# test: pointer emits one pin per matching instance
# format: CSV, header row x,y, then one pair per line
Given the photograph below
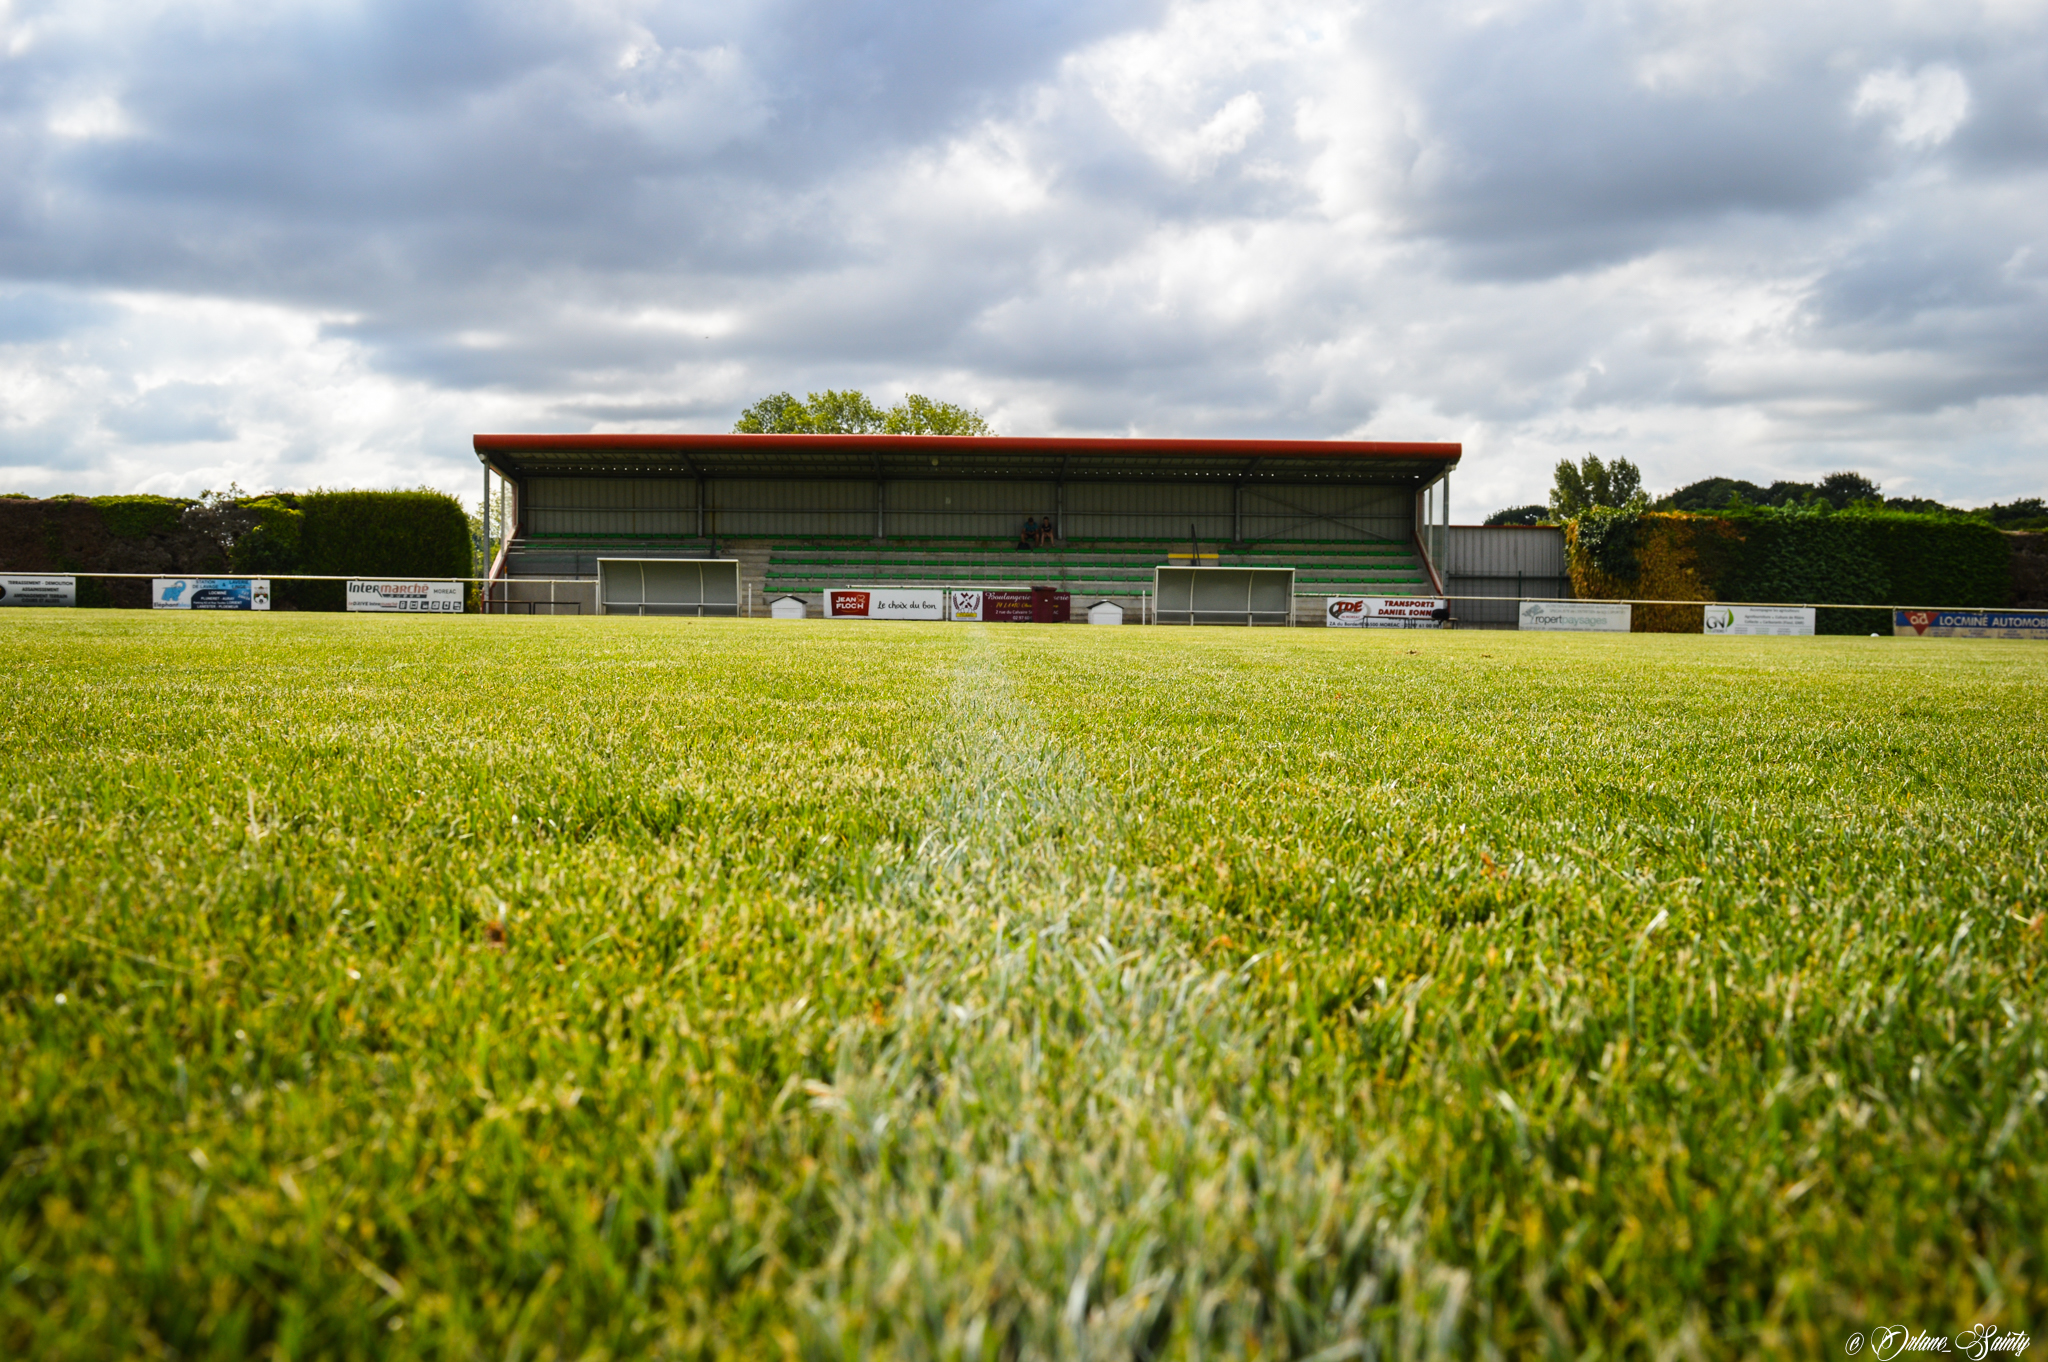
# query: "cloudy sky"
x,y
322,243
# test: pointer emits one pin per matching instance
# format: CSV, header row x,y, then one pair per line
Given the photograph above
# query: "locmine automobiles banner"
x,y
1970,624
210,593
885,603
433,598
38,591
1598,617
1373,612
1758,619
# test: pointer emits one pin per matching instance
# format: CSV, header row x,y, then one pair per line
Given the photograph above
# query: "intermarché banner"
x,y
432,598
2031,624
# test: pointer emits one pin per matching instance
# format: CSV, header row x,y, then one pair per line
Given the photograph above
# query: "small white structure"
x,y
787,608
1105,612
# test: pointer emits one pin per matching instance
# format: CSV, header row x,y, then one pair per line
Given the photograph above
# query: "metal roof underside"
x,y
902,457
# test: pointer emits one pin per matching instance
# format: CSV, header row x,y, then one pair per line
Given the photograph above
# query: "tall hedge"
x,y
134,534
1866,557
353,534
1790,555
347,534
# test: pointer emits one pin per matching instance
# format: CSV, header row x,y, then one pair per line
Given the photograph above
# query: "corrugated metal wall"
x,y
1503,560
650,506
1345,513
1138,510
791,508
963,509
966,510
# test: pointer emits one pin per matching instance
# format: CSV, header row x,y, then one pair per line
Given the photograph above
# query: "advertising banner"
x,y
38,591
431,598
1970,624
1373,612
1006,607
1032,605
1758,619
1597,617
885,603
210,593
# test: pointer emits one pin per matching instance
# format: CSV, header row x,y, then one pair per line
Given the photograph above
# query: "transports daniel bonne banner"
x,y
1375,612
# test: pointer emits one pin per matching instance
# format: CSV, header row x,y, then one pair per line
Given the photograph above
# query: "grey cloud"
x,y
175,413
522,207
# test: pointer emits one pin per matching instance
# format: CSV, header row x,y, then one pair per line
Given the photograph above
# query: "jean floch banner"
x,y
885,603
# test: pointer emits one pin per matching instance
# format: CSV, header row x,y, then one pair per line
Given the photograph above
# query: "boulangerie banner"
x,y
428,598
1006,607
1374,612
1758,619
2029,624
885,603
210,593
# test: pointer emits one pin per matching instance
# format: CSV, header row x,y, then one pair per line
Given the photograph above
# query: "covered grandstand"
x,y
807,514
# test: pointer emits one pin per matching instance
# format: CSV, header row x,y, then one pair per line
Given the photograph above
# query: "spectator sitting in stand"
x,y
1030,537
1045,532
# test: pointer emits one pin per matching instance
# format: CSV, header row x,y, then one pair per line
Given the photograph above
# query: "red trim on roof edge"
x,y
1233,449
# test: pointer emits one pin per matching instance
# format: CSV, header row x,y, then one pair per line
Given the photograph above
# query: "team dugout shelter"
x,y
775,523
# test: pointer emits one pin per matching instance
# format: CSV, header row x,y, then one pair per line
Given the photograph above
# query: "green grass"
x,y
950,991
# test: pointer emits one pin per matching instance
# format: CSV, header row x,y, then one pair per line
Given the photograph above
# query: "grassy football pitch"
x,y
378,987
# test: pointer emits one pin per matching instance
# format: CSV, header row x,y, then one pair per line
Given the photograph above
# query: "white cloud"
x,y
1676,230
95,119
1924,108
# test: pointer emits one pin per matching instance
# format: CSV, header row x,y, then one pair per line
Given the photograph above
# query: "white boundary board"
x,y
1223,595
1757,619
407,598
209,593
668,586
1594,617
38,591
1382,612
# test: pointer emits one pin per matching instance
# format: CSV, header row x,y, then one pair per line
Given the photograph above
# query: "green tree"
x,y
1582,486
775,414
850,412
843,413
917,414
1520,515
1843,490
